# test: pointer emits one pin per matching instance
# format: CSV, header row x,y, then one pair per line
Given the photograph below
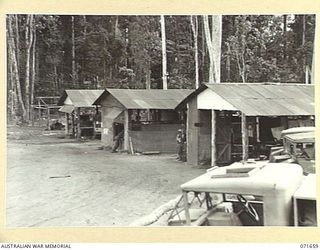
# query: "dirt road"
x,y
60,182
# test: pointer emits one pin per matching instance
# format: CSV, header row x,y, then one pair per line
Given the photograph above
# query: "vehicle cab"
x,y
251,194
298,147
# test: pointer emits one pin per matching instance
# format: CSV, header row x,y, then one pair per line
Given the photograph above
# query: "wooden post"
x,y
186,208
72,124
187,132
126,130
48,118
32,114
258,129
213,138
94,128
244,137
67,123
39,118
78,123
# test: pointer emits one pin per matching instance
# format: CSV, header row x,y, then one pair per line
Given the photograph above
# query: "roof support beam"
x,y
67,123
187,130
258,128
126,130
78,124
245,143
48,119
213,138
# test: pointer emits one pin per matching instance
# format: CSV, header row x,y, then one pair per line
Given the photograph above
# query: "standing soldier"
x,y
117,141
181,139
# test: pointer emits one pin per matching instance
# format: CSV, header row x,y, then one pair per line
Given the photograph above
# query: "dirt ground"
x,y
54,181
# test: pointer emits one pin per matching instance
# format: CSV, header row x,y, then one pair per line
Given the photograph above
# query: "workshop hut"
x,y
228,122
146,117
83,119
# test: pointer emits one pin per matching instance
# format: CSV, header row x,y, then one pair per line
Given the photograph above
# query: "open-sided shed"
x,y
146,117
232,121
81,115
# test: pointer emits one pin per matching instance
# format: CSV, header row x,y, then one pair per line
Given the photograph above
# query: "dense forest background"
x,y
50,53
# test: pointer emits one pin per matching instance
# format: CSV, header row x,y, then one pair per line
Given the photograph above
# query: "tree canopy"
x,y
50,53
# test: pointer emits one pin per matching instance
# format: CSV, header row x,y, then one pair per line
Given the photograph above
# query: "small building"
x,y
82,117
146,117
228,122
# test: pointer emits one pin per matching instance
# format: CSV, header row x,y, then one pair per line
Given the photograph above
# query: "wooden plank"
x,y
151,152
47,97
225,147
213,138
244,137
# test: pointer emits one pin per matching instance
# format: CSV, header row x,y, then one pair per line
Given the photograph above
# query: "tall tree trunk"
x,y
74,73
194,26
216,44
55,79
212,76
214,50
241,65
148,76
84,27
28,39
203,50
303,30
11,90
17,36
116,27
13,61
313,63
305,68
239,49
228,63
164,54
14,100
104,60
33,67
285,17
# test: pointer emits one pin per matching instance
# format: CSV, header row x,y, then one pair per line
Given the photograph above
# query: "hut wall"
x,y
109,108
169,115
300,122
155,137
193,132
205,137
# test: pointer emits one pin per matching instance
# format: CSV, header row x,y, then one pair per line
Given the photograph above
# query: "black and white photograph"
x,y
160,120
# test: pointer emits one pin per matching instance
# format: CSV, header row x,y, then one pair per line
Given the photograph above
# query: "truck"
x,y
280,191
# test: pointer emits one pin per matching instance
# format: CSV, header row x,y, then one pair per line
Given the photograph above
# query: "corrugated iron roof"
x,y
149,98
67,109
81,97
268,99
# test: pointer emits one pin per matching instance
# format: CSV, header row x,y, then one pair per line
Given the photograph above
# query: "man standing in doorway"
x,y
181,139
117,141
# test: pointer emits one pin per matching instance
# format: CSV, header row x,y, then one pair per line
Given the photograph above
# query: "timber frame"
x,y
45,103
